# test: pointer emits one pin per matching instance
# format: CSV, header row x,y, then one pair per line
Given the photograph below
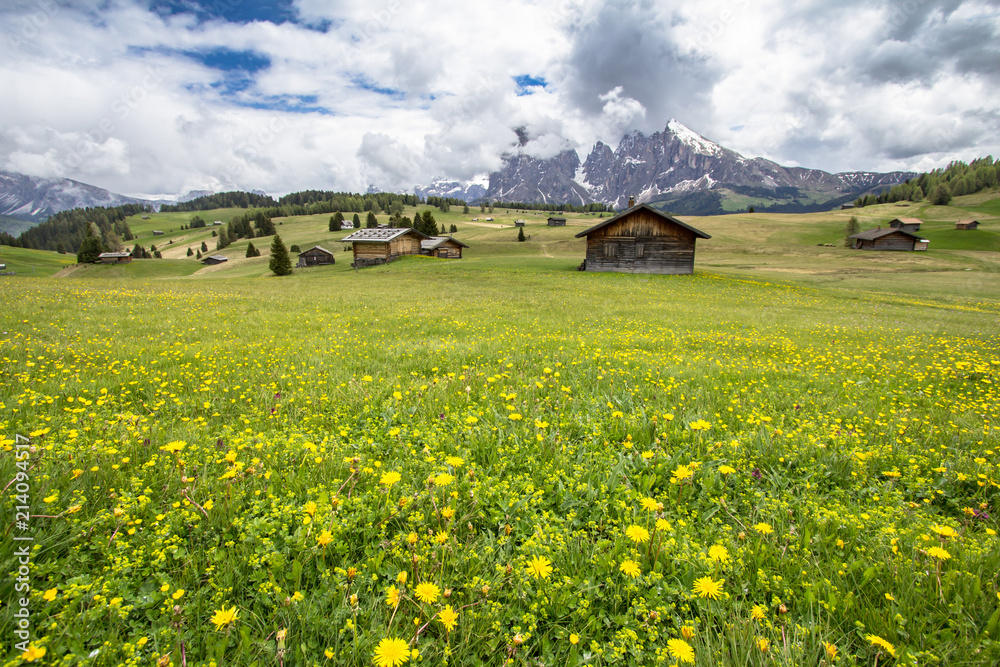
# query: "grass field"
x,y
789,458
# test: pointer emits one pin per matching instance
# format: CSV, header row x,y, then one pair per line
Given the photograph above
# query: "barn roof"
x,y
873,234
316,247
436,241
217,258
115,255
967,222
909,221
650,209
377,235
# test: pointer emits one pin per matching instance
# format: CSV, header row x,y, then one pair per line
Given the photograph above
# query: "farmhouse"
x,y
641,240
379,246
906,224
967,224
116,257
316,256
557,222
442,246
888,239
212,260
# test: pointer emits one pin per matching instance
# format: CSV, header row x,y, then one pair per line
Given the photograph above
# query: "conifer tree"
x,y
336,222
850,229
90,249
251,251
281,263
371,221
465,209
357,221
520,234
198,255
204,247
189,253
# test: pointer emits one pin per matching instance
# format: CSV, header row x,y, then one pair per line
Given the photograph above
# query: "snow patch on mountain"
x,y
694,141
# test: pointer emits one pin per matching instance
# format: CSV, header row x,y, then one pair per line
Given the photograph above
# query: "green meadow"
x,y
788,458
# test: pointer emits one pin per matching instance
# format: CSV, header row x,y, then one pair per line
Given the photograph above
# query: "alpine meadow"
x,y
786,458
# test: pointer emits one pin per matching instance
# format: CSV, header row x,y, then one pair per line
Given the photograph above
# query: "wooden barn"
x,y
316,256
212,260
967,224
906,224
157,232
888,239
115,257
378,246
442,246
557,222
641,240
519,223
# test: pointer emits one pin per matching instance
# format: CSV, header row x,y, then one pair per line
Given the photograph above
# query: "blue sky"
x,y
162,96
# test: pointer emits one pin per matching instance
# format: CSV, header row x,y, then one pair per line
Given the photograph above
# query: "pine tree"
x,y
482,208
223,239
850,229
520,234
357,221
940,195
371,221
454,228
281,263
189,253
204,247
336,222
465,209
198,256
251,251
90,249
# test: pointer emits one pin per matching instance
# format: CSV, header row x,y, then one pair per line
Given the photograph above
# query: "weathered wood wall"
x,y
641,243
371,250
405,245
891,242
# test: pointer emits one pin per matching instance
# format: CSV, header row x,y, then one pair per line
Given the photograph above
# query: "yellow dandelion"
x,y
223,617
718,553
763,528
444,479
390,478
763,644
649,504
324,538
448,618
680,650
882,644
637,534
540,567
427,592
630,567
706,587
939,553
682,473
945,531
391,652
392,596
727,470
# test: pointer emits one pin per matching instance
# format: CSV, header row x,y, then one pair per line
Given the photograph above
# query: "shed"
x,y
967,224
217,222
641,240
212,260
379,246
845,207
157,232
442,246
888,239
316,256
519,223
557,222
906,224
116,257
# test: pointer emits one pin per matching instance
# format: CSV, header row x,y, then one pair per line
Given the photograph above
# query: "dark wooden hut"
x,y
316,256
212,260
641,240
906,224
557,222
887,238
442,246
378,246
115,257
967,224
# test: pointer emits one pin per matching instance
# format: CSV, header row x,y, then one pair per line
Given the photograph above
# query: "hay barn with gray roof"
x,y
380,246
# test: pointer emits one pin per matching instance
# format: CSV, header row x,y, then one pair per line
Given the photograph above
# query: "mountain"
x,y
34,199
679,170
469,191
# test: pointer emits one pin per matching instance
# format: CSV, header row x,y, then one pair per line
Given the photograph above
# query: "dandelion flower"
x,y
540,567
448,618
763,644
882,644
718,553
706,587
945,531
680,650
391,652
427,592
763,528
663,524
939,553
700,425
223,617
649,504
683,473
324,538
455,461
444,479
630,567
392,596
390,478
637,534
727,470
758,613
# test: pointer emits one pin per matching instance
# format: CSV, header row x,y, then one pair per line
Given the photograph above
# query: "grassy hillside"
x,y
33,263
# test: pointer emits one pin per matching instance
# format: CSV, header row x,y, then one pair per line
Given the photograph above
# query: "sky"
x,y
160,97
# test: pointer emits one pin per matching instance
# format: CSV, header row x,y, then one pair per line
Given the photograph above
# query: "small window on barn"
x,y
639,250
610,250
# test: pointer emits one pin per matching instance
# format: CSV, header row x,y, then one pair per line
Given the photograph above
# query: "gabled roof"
x,y
376,235
218,258
909,221
316,247
116,255
873,234
649,209
556,217
436,241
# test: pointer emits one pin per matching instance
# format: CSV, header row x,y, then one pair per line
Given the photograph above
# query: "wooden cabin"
x,y
641,240
115,257
967,224
519,223
906,224
442,246
888,238
212,260
379,246
557,222
157,232
316,256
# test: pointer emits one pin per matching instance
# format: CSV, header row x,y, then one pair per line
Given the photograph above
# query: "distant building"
x,y
212,260
157,232
115,257
316,256
217,223
442,246
906,224
380,246
557,222
519,223
888,238
967,224
641,240
844,207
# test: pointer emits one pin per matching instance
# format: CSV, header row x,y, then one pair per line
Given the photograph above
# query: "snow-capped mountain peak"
x,y
693,140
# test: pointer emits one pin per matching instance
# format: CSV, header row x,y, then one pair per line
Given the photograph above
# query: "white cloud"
x,y
415,91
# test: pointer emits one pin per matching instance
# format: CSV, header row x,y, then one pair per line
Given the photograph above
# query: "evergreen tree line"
x,y
222,200
66,231
940,185
315,202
